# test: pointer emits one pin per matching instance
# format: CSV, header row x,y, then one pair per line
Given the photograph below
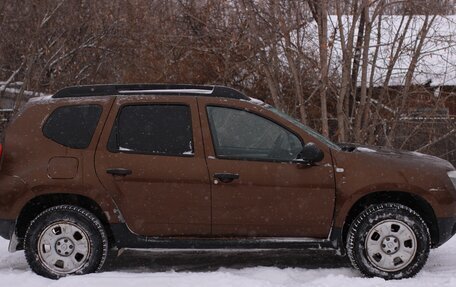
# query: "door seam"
x,y
205,160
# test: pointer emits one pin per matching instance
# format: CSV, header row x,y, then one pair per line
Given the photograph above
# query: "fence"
x,y
437,135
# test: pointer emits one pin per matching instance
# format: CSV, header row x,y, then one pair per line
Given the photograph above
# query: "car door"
x,y
257,190
151,159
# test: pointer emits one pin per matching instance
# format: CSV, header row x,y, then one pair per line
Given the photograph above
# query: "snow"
x,y
187,91
365,149
219,269
124,149
436,66
18,90
418,154
256,101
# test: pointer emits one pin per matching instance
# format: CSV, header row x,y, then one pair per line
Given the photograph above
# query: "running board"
x,y
124,238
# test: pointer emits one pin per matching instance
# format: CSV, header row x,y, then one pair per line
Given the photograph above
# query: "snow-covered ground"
x,y
167,269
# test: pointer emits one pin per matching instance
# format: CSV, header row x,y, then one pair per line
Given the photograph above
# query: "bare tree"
x,y
354,69
320,13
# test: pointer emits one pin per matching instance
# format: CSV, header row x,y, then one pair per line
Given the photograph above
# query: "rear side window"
x,y
73,126
153,129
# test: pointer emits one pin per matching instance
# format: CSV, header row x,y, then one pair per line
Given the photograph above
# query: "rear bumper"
x,y
6,228
447,228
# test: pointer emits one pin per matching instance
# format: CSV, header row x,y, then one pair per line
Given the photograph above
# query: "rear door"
x,y
256,188
151,158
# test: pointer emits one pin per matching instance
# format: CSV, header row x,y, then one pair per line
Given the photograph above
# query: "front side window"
x,y
153,129
244,135
304,127
73,126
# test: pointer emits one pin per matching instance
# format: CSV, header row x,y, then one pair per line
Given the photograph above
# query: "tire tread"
x,y
353,233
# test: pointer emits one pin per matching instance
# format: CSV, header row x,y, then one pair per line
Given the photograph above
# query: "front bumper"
x,y
6,228
447,228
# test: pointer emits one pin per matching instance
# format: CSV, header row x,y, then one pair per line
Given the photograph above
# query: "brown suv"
x,y
178,166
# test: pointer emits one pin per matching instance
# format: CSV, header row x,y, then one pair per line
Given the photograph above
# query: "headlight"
x,y
452,176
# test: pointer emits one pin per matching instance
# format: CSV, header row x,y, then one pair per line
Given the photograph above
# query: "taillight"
x,y
1,151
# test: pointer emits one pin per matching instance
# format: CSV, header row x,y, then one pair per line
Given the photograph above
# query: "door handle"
x,y
225,177
119,171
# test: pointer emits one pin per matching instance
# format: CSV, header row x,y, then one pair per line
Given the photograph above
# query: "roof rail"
x,y
149,89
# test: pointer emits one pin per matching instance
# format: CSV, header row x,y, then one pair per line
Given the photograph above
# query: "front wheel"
x,y
388,240
65,240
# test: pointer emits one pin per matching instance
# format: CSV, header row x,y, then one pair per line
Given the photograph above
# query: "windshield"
x,y
303,127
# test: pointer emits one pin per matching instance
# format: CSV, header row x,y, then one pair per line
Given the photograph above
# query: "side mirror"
x,y
310,153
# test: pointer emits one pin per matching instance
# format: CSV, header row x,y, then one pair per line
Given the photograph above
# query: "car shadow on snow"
x,y
152,261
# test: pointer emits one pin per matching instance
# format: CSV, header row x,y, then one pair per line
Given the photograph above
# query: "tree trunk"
x,y
319,11
409,76
394,56
363,93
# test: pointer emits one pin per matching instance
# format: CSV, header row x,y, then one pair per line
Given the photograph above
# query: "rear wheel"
x,y
65,240
388,240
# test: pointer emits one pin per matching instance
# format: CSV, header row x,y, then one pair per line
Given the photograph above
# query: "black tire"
x,y
87,232
369,222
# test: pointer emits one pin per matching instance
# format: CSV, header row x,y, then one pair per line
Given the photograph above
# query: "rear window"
x,y
73,126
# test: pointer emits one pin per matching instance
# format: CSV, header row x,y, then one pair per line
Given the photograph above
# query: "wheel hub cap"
x,y
391,245
63,247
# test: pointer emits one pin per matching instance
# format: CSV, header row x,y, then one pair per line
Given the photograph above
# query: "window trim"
x,y
115,125
247,158
67,106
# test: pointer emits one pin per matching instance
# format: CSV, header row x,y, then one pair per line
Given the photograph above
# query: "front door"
x,y
151,159
256,188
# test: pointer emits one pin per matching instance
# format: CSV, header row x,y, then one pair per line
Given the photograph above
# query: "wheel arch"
x,y
413,201
42,202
